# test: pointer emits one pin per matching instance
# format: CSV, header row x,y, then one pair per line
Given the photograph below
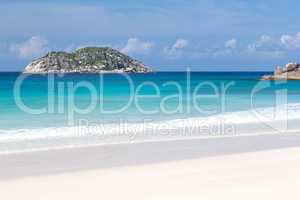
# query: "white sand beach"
x,y
197,169
149,100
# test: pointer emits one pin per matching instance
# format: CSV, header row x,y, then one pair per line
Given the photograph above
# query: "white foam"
x,y
165,130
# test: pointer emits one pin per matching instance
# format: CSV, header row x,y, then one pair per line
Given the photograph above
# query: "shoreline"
x,y
41,163
99,145
227,125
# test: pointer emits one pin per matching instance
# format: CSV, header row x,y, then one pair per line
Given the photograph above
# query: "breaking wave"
x,y
269,120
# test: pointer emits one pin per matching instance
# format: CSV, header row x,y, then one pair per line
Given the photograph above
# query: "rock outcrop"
x,y
291,71
87,60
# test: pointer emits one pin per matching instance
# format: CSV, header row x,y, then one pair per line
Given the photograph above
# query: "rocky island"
x,y
291,71
87,60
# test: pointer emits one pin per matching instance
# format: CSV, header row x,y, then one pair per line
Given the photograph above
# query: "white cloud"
x,y
265,46
177,49
34,47
264,41
136,46
290,42
180,44
231,44
229,48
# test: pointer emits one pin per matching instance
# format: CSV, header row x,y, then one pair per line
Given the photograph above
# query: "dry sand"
x,y
263,174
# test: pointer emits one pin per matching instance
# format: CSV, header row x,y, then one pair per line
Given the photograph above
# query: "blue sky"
x,y
166,34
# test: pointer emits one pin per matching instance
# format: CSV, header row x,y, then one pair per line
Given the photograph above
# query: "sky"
x,y
168,35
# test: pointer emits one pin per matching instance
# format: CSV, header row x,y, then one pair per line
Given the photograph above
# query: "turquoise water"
x,y
152,98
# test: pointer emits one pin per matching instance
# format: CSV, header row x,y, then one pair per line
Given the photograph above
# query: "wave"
x,y
256,121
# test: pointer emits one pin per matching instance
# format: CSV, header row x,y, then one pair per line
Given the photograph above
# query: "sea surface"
x,y
58,111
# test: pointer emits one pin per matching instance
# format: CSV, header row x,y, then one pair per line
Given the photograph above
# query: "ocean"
x,y
64,111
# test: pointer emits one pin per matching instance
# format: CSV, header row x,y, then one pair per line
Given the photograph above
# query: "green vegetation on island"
x,y
87,60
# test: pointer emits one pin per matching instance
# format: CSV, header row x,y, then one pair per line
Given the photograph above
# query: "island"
x,y
291,71
87,60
